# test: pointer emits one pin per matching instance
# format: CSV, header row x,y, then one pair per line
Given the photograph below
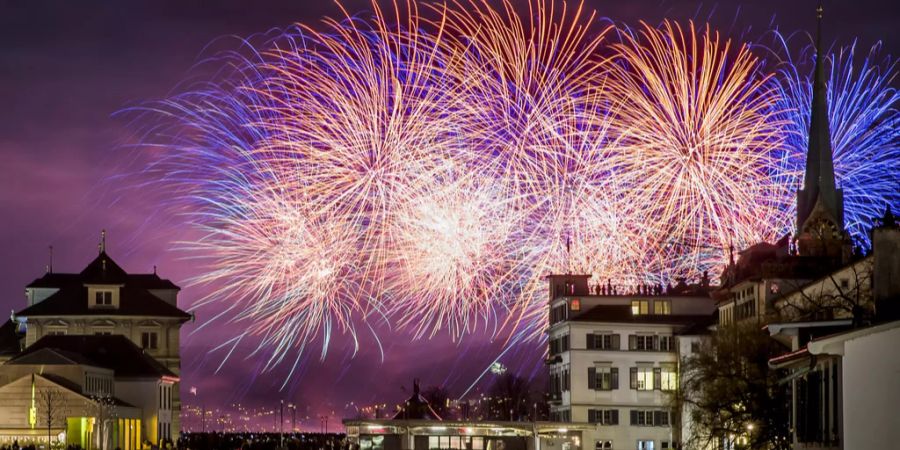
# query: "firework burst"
x,y
696,132
428,173
865,131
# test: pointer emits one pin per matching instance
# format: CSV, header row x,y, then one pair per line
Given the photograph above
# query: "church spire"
x,y
819,181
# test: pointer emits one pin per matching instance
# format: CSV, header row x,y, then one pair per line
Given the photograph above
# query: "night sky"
x,y
67,171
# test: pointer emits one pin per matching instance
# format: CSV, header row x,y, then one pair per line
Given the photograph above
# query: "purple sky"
x,y
65,69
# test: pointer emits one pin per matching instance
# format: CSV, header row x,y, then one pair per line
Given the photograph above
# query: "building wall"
x,y
871,391
580,398
850,284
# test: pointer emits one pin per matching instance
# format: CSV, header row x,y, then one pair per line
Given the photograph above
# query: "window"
x,y
575,305
603,445
668,378
659,418
603,341
845,283
642,378
645,445
603,378
641,342
603,416
695,347
639,307
667,343
149,340
103,298
662,307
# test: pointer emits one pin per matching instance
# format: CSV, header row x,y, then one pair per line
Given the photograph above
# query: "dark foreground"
x,y
262,441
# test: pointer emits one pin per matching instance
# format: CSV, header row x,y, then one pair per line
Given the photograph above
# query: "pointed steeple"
x,y
819,181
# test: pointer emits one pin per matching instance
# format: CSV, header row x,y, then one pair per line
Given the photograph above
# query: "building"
x,y
843,382
426,434
833,309
105,307
614,358
105,390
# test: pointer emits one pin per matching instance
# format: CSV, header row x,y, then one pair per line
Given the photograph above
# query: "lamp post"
x,y
293,409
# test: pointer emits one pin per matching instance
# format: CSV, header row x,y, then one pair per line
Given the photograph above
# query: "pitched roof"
x,y
622,314
102,270
113,352
135,298
133,301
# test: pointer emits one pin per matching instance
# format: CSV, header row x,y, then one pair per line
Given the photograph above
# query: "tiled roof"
x,y
113,352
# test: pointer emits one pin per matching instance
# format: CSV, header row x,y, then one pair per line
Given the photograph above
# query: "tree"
x,y
51,405
845,293
103,409
511,397
439,400
730,394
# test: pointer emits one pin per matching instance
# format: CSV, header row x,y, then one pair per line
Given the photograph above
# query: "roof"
x,y
94,273
417,407
622,314
114,352
135,298
133,301
820,345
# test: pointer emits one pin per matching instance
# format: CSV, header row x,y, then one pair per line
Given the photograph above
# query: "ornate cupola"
x,y
820,204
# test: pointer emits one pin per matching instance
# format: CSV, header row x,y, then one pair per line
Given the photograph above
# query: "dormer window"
x,y
103,298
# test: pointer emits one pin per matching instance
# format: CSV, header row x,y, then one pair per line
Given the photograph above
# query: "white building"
x,y
613,359
140,310
843,384
93,391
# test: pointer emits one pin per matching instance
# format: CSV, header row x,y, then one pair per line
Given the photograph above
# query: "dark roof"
x,y
94,273
622,314
135,298
416,407
113,352
133,301
700,328
10,339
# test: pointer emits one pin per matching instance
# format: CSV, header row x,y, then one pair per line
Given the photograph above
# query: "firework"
x,y
428,173
865,131
696,132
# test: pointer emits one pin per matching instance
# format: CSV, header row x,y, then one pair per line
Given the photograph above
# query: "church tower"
x,y
820,204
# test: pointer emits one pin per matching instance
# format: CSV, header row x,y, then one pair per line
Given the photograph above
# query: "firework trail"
x,y
865,130
425,171
697,128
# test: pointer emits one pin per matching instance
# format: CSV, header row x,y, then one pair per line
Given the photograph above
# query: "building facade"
x,y
128,312
614,359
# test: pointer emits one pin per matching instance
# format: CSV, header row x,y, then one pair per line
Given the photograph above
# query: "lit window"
x,y
662,307
669,381
645,445
645,378
640,307
575,305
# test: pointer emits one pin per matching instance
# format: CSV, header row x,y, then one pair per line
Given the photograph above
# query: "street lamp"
x,y
293,409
